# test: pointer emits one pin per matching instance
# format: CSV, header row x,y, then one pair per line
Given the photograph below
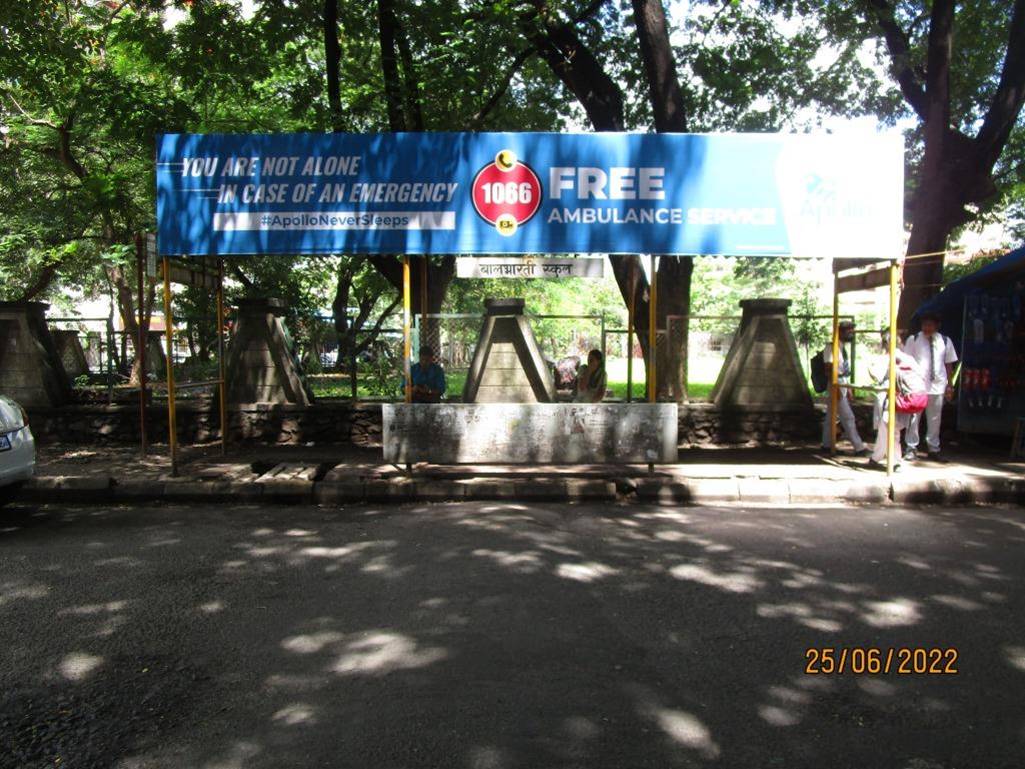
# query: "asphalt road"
x,y
505,636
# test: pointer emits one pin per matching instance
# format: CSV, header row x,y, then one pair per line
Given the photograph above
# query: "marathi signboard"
x,y
531,193
528,267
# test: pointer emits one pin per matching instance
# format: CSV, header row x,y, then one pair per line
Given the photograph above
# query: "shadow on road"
x,y
504,635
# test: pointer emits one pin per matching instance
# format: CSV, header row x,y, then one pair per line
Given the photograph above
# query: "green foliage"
x,y
980,39
86,86
79,107
956,270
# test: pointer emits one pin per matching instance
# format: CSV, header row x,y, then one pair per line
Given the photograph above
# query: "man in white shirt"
x,y
936,356
843,408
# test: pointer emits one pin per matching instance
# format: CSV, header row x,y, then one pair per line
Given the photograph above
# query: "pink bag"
x,y
911,395
911,403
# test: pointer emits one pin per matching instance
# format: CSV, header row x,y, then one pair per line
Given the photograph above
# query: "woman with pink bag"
x,y
911,399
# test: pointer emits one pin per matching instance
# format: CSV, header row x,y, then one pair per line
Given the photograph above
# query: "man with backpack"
x,y
936,356
821,371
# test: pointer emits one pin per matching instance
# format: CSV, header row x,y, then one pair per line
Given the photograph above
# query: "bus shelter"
x,y
523,194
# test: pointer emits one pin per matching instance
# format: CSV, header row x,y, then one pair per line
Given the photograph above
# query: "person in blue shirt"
x,y
428,378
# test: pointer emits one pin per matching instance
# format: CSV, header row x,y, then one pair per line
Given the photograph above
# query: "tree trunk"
x,y
41,283
674,273
664,90
956,170
332,56
348,329
124,297
190,338
674,276
387,26
344,333
440,273
113,359
580,71
923,276
576,66
937,210
414,108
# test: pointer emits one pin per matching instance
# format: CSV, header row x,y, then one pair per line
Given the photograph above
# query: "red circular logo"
x,y
506,192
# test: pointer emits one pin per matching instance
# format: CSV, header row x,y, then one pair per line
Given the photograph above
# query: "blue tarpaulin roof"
x,y
1004,273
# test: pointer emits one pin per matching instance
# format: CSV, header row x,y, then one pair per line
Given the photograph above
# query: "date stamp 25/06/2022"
x,y
867,660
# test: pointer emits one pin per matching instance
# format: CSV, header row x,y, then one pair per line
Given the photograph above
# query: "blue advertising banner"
x,y
530,193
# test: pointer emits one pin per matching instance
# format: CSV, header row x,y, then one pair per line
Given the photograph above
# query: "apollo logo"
x,y
506,193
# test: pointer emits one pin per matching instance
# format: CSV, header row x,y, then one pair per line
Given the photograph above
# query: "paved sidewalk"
x,y
346,474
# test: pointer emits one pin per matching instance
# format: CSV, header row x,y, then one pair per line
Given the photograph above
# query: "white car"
x,y
17,447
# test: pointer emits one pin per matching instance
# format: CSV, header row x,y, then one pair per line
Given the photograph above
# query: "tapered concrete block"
x,y
762,367
31,371
262,366
507,365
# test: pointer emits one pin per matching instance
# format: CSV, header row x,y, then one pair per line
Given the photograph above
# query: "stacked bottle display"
x,y
993,373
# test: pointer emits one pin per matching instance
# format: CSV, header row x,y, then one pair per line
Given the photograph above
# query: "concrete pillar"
x,y
31,371
72,354
507,365
762,368
156,355
262,367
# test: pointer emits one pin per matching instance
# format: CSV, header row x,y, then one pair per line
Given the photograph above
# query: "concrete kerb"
x,y
656,490
68,488
952,491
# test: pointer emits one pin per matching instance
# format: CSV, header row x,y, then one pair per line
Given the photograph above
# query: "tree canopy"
x,y
85,85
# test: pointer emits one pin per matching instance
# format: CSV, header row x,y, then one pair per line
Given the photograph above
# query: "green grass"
x,y
338,385
696,391
702,374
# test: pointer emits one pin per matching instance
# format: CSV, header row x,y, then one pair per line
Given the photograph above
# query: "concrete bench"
x,y
525,433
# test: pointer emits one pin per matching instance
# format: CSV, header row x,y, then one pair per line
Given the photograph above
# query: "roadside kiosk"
x,y
520,194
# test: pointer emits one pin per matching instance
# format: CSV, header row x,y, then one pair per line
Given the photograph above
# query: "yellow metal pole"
x,y
423,301
652,331
140,349
630,309
406,343
222,387
891,382
172,416
834,375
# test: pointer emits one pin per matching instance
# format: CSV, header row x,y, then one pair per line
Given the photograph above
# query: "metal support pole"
x,y
353,381
223,387
891,382
630,309
172,416
423,303
834,388
652,330
140,346
406,344
110,363
853,361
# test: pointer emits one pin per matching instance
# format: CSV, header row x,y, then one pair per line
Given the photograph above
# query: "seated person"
x,y
428,378
591,379
565,372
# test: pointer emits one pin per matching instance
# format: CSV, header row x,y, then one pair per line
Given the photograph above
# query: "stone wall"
x,y
198,422
700,424
704,424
